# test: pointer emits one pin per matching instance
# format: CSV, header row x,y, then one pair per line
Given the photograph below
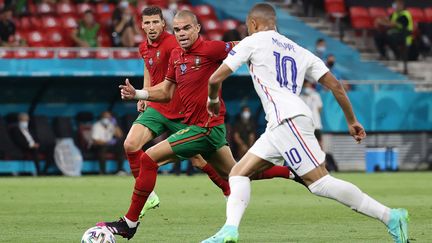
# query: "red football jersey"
x,y
191,70
156,56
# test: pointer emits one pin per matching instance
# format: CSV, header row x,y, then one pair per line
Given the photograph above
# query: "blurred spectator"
x,y
85,35
168,12
395,31
236,34
313,100
124,26
25,139
107,137
320,48
244,132
7,29
331,64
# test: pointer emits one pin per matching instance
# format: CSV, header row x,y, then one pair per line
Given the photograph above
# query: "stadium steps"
x,y
413,149
416,72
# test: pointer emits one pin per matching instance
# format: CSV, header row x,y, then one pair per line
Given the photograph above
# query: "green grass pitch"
x,y
59,209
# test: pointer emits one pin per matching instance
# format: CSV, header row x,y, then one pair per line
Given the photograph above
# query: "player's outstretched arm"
x,y
215,83
158,93
355,128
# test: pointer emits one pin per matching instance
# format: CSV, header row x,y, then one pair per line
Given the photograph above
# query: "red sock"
x,y
217,180
134,161
144,185
275,171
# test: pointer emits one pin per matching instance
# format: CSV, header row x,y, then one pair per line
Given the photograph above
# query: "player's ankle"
x,y
130,223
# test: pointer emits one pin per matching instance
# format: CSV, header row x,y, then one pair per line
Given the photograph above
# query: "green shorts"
x,y
158,123
194,140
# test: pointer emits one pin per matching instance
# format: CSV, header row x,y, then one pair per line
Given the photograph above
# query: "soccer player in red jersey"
x,y
157,118
189,68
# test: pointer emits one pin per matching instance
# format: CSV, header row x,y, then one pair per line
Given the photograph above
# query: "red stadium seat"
x,y
45,8
210,24
82,7
55,38
160,3
125,54
5,54
66,54
66,9
29,23
69,22
50,22
229,24
138,38
21,35
205,11
377,12
184,6
335,8
85,53
23,54
43,53
360,18
428,14
104,39
417,14
215,34
104,12
36,38
103,53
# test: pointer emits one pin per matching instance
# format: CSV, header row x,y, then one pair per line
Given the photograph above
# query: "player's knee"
x,y
131,146
198,162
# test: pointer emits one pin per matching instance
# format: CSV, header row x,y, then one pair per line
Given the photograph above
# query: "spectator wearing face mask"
x,y
244,132
331,64
25,139
107,137
320,48
124,26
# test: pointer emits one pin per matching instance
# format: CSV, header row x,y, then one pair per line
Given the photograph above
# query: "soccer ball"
x,y
98,234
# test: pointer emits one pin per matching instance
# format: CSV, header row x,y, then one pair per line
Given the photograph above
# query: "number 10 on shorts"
x,y
293,158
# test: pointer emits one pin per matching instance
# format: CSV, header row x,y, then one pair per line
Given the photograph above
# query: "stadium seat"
x,y
30,23
205,11
360,18
377,12
44,8
160,3
43,53
65,9
69,22
138,38
428,14
5,54
335,8
210,24
36,39
66,54
229,24
55,38
215,34
85,53
82,7
125,54
51,23
102,53
104,12
184,6
417,15
43,131
63,127
104,39
8,150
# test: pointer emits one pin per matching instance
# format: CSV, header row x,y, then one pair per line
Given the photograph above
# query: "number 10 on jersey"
x,y
281,71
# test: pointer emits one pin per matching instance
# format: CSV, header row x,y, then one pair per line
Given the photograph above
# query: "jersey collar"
x,y
159,40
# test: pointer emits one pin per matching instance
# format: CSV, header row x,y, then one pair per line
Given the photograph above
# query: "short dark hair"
x,y
152,10
320,40
88,11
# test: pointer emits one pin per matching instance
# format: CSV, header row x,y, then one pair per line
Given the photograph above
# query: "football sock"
x,y
130,223
351,196
134,159
275,171
238,200
217,180
144,185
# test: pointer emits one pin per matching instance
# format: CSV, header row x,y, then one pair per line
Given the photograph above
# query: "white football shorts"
x,y
293,142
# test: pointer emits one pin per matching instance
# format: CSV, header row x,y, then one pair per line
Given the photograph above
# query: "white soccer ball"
x,y
98,234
